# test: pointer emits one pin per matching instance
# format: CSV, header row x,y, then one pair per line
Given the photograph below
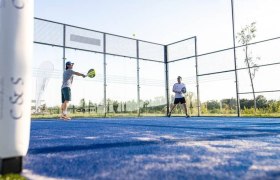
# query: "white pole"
x,y
16,44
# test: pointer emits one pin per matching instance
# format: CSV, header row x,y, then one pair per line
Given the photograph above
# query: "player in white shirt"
x,y
179,89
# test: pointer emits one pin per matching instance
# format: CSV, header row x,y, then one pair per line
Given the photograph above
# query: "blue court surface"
x,y
154,148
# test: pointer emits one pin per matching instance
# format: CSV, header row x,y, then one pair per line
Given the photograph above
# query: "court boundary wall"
x,y
162,57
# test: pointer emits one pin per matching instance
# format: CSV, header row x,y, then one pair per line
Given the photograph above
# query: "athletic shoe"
x,y
64,117
187,116
169,114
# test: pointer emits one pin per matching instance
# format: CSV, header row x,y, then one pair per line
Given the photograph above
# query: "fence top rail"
x,y
193,37
98,31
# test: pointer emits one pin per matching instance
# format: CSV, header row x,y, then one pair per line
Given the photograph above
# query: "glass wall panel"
x,y
87,93
261,53
185,69
121,75
151,51
46,78
181,50
120,46
152,88
266,79
218,94
48,32
216,62
84,39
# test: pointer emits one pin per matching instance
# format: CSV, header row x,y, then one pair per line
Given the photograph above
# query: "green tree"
x,y
245,36
82,102
115,106
274,106
90,103
145,105
246,104
124,107
213,104
231,103
190,97
261,102
43,107
108,105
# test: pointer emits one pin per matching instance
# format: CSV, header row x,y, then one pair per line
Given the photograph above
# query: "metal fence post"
x,y
166,78
64,47
197,79
235,63
138,78
104,66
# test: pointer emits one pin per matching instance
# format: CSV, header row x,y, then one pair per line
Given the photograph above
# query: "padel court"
x,y
154,148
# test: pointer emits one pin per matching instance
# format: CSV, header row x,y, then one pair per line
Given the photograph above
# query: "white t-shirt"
x,y
67,78
177,88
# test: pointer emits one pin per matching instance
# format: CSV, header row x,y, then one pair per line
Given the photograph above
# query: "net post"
x,y
11,165
16,28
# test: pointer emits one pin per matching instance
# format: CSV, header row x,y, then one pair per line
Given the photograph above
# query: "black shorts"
x,y
180,100
65,94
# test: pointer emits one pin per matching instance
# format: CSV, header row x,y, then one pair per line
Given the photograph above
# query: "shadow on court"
x,y
155,148
58,149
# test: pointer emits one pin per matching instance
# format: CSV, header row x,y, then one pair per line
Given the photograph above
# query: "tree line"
x,y
247,106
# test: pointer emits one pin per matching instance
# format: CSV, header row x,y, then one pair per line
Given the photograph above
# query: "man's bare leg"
x,y
64,108
173,106
185,109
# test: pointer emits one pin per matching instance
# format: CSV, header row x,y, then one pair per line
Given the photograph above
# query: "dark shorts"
x,y
180,100
65,94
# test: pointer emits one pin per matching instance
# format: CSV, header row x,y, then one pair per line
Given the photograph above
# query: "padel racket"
x,y
91,73
184,90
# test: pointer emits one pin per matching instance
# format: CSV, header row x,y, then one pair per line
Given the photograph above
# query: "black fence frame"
x,y
165,60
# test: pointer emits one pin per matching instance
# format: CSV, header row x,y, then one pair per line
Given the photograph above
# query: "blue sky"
x,y
166,21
